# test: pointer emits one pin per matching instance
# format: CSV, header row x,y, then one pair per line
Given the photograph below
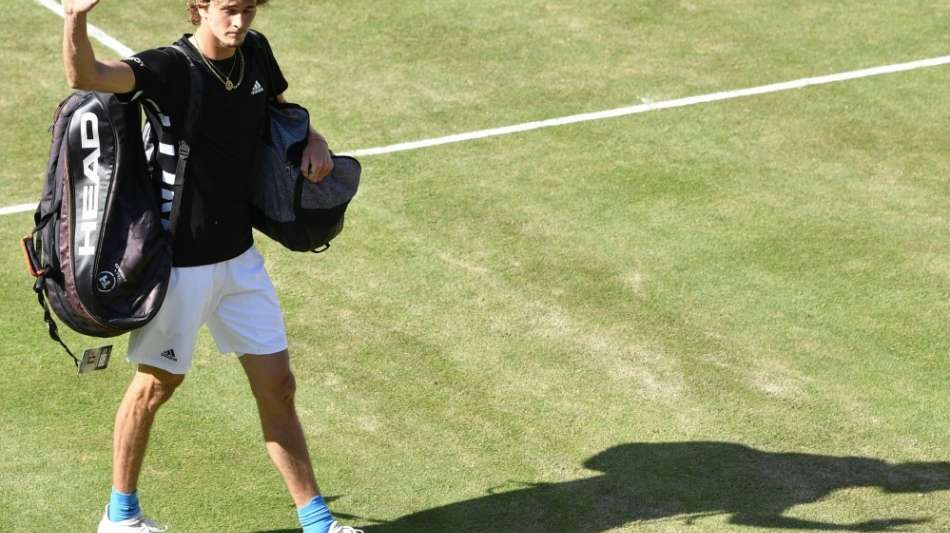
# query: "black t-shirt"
x,y
213,223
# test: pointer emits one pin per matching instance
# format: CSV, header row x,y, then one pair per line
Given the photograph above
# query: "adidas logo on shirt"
x,y
257,88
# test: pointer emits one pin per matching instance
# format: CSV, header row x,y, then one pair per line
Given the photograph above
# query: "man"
x,y
218,276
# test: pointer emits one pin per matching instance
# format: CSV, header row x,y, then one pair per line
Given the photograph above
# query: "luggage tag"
x,y
95,359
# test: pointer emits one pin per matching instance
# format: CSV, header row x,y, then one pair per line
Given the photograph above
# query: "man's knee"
x,y
277,392
271,379
152,386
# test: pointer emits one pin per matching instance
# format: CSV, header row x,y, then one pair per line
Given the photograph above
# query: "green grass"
x,y
728,317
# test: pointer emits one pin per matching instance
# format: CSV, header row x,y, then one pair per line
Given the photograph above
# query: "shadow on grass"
x,y
681,481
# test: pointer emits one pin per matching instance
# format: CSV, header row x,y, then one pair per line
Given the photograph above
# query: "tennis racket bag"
x,y
98,251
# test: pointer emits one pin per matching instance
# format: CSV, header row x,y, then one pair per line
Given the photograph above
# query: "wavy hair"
x,y
193,6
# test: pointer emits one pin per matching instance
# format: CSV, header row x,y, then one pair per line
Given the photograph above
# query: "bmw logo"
x,y
105,281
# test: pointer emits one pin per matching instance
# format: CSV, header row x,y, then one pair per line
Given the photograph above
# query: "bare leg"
x,y
150,388
273,386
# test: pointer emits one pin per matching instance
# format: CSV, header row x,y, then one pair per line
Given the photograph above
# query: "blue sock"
x,y
123,506
315,517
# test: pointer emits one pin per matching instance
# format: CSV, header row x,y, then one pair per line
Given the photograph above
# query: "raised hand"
x,y
76,7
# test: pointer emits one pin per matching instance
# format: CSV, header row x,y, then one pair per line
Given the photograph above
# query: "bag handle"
x,y
29,253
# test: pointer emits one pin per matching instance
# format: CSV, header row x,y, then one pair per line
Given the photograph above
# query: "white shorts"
x,y
235,298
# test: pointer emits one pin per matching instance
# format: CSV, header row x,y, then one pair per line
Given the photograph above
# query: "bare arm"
x,y
83,71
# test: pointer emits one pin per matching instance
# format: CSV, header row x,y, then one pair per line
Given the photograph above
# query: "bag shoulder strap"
x,y
188,132
48,318
195,91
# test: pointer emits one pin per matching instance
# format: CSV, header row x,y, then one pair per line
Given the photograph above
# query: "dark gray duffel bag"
x,y
299,214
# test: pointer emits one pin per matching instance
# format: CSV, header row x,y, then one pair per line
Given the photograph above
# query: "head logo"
x,y
89,210
105,281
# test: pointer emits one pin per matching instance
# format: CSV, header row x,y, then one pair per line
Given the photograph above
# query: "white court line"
x,y
22,208
94,32
654,106
584,117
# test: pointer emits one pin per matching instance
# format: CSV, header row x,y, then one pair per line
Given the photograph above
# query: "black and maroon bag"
x,y
98,249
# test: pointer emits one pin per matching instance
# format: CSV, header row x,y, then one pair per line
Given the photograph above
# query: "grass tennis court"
x,y
726,317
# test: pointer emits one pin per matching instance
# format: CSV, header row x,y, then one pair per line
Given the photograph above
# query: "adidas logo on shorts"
x,y
169,354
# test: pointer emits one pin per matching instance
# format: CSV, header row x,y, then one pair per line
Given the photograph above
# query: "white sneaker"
x,y
132,525
337,528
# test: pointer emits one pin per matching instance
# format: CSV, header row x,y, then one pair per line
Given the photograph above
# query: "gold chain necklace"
x,y
224,79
